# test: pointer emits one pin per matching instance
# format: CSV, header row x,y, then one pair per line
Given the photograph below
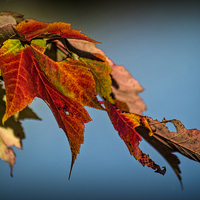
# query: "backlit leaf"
x,y
64,67
25,80
71,77
96,63
70,115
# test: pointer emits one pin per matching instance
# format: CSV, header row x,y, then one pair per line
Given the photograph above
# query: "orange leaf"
x,y
71,77
33,28
24,80
125,124
70,115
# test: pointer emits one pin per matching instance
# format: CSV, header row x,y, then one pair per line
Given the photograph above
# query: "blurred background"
x,y
159,43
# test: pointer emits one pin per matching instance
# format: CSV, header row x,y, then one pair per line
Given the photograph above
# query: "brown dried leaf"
x,y
184,141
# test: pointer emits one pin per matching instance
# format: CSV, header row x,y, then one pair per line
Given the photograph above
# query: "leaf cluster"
x,y
67,71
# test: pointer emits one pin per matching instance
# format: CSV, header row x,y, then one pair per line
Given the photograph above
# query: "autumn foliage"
x,y
67,71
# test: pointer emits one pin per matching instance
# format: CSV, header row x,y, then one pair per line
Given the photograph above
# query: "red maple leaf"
x,y
25,80
125,124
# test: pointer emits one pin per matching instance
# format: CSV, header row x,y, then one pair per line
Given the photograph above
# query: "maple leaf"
x,y
71,77
99,68
125,124
97,64
24,80
70,114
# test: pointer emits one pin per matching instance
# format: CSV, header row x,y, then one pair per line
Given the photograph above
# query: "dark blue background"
x,y
159,43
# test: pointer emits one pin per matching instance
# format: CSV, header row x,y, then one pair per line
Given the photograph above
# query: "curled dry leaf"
x,y
184,141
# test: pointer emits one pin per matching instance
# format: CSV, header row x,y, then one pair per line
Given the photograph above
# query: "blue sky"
x,y
159,43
